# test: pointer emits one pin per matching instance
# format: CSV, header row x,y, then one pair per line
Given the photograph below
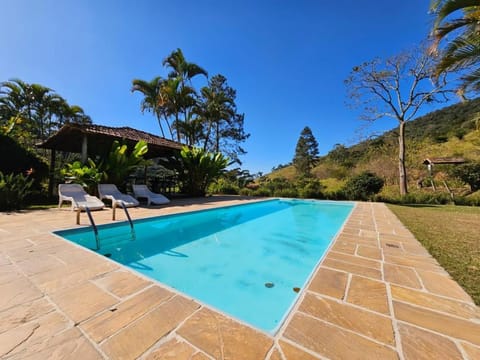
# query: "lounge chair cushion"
x,y
142,191
111,192
78,197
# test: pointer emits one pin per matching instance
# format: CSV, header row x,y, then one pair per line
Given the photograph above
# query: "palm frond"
x,y
444,8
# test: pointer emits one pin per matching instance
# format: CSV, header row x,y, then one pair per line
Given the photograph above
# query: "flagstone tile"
x,y
274,355
224,338
451,326
329,282
70,344
369,252
9,273
333,342
369,234
124,313
473,352
437,303
344,247
122,283
348,317
38,264
32,336
419,263
370,294
352,268
83,301
4,260
24,313
17,291
355,239
176,350
356,260
139,336
401,275
292,352
70,276
424,345
443,285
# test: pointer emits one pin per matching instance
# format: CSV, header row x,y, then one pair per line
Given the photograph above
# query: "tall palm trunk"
x,y
217,135
207,136
169,127
401,159
159,119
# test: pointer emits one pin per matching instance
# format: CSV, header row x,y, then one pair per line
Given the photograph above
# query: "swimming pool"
x,y
249,261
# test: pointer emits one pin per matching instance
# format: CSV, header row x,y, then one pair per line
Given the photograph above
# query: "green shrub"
x,y
288,193
468,173
363,186
88,175
196,169
460,133
223,186
245,192
121,162
262,192
335,195
469,200
16,159
310,189
435,198
13,190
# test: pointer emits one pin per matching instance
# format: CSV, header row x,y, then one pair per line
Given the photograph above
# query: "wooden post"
x,y
114,207
78,215
448,189
84,149
51,174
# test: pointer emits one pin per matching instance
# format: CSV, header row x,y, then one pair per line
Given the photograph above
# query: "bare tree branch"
x,y
397,87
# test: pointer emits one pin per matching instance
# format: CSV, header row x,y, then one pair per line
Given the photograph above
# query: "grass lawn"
x,y
452,235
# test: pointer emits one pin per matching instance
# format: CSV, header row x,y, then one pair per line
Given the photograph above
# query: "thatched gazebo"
x,y
90,140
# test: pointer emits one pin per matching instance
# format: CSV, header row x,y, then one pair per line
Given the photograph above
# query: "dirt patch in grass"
x,y
452,235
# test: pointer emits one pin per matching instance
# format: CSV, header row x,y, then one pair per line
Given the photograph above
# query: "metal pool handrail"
x,y
122,205
95,229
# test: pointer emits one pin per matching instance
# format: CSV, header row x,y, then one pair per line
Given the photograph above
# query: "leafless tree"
x,y
397,88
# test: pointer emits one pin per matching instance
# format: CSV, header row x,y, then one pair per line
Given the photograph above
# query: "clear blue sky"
x,y
286,59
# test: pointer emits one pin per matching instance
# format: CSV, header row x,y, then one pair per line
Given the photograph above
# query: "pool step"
x,y
116,240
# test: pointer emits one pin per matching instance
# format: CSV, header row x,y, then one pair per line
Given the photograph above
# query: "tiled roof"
x,y
130,134
444,160
70,138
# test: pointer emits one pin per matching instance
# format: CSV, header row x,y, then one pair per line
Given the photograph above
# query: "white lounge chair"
x,y
142,191
78,197
111,192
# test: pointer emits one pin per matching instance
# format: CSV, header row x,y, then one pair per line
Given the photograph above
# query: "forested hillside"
x,y
453,131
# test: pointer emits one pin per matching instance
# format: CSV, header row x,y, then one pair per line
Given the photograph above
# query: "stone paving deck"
x,y
377,294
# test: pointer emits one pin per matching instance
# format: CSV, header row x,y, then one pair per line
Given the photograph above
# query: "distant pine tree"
x,y
306,152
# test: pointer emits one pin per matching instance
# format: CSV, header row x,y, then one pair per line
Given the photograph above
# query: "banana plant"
x,y
88,175
120,162
197,168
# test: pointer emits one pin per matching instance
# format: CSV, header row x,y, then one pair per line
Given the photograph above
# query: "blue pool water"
x,y
244,260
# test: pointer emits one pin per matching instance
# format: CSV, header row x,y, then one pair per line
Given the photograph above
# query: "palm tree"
x,y
181,69
34,104
180,87
463,52
153,100
174,100
73,114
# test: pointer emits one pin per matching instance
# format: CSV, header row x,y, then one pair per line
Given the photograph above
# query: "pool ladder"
x,y
94,226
